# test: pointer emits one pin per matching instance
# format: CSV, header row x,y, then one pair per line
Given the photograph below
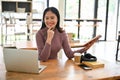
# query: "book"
x,y
96,64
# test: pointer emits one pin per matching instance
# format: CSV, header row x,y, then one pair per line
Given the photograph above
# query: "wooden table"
x,y
63,69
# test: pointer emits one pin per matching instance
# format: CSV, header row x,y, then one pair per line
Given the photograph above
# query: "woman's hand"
x,y
50,34
82,50
89,44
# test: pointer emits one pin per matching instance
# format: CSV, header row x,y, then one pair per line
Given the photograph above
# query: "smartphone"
x,y
85,67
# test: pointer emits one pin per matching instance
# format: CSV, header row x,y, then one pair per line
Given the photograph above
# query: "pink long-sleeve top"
x,y
59,41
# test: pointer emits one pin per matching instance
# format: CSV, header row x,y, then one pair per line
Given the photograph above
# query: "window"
x,y
87,12
38,8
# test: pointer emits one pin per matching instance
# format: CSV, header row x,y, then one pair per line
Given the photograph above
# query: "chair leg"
x,y
117,48
117,55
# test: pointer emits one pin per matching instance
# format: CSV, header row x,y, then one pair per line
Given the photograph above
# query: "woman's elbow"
x,y
44,59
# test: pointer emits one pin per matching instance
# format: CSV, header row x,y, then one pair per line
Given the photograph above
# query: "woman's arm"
x,y
89,44
66,47
44,48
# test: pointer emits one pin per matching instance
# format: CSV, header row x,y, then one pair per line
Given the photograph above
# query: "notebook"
x,y
95,64
21,60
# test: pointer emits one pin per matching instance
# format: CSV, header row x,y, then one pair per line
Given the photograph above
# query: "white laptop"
x,y
21,60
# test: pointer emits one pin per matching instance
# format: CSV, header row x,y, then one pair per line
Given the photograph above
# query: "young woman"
x,y
51,37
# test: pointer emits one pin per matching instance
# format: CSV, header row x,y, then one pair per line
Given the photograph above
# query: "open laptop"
x,y
21,60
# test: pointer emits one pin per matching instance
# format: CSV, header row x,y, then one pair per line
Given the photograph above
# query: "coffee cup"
x,y
77,58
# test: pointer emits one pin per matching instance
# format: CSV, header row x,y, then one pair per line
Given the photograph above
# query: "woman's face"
x,y
50,20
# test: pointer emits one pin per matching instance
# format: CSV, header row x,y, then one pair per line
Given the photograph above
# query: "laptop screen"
x,y
21,60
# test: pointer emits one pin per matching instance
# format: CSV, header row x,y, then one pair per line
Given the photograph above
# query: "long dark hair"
x,y
56,12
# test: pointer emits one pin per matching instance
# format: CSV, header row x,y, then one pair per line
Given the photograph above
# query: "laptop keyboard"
x,y
39,68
